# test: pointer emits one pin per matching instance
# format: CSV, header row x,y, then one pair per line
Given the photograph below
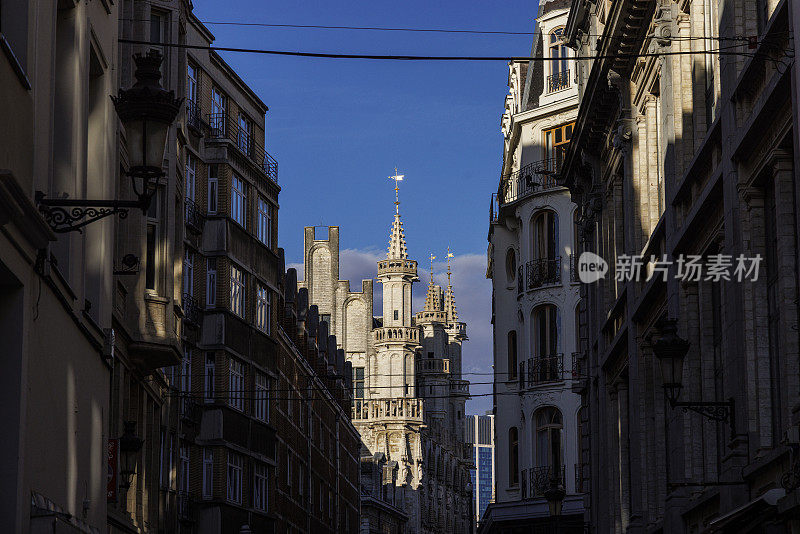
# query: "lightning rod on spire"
x,y
397,178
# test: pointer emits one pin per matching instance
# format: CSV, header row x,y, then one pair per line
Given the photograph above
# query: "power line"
x,y
329,55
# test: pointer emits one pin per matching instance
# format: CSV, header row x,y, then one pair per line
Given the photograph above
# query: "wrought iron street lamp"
x,y
671,349
146,110
129,445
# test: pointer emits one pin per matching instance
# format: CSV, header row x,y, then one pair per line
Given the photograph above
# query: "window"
x,y
396,314
219,105
188,273
358,382
191,173
237,291
548,439
186,370
260,488
208,378
238,200
183,473
213,188
159,30
244,139
161,452
263,308
512,355
211,282
555,147
208,473
513,456
325,318
236,384
264,222
559,69
545,331
511,265
712,30
234,477
152,256
191,83
545,235
289,469
261,400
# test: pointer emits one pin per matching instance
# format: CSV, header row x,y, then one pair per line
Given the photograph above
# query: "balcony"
x,y
558,81
537,371
378,409
194,115
541,272
194,217
459,388
223,127
191,309
540,478
535,177
396,334
433,366
397,266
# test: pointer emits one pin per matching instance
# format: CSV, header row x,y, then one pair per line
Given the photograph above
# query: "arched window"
x,y
559,68
547,361
544,233
548,439
513,456
512,355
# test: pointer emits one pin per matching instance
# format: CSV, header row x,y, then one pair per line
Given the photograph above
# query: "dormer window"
x,y
559,66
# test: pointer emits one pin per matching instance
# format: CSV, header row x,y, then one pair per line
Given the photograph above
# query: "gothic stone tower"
x,y
408,407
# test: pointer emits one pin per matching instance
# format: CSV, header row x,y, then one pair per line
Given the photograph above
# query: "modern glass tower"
x,y
480,434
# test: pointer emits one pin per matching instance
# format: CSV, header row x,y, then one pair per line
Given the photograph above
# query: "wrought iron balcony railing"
x,y
537,371
558,81
191,309
520,280
189,409
193,115
544,271
532,178
225,127
194,216
540,479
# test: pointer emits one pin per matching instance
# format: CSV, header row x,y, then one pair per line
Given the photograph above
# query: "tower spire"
x,y
449,295
432,300
397,239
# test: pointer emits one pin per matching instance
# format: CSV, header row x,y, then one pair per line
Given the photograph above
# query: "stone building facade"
x,y
689,152
535,293
317,479
58,136
408,393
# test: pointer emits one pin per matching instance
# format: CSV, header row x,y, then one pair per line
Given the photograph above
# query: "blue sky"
x,y
339,127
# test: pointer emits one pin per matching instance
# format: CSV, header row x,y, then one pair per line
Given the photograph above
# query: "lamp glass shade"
x,y
147,141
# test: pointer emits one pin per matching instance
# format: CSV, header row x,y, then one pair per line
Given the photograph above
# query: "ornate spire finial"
x,y
432,258
397,240
397,178
449,296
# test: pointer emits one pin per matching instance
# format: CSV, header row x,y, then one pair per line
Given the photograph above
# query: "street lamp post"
x,y
130,445
670,350
146,110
